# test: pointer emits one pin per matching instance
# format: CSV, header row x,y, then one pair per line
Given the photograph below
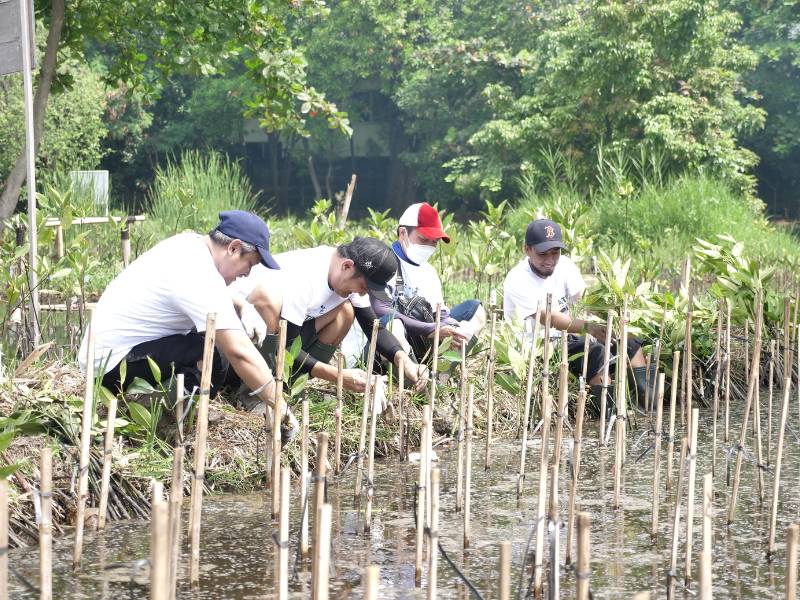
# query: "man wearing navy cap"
x,y
156,309
417,284
320,292
544,270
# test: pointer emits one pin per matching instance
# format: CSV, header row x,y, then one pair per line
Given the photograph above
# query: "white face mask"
x,y
419,253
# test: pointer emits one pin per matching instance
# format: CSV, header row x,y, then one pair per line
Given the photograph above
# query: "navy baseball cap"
x,y
250,228
543,235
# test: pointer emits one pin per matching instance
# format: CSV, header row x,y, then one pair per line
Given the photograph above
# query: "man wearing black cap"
x,y
320,291
545,271
156,309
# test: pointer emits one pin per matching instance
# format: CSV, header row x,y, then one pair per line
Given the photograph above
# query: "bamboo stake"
x,y
371,463
693,425
563,392
433,536
402,417
583,570
200,449
337,442
769,400
372,582
705,557
686,388
543,460
657,457
468,466
757,428
676,361
86,441
792,534
776,482
787,340
505,570
529,393
179,395
647,398
175,503
277,413
490,388
282,555
576,466
622,368
45,525
461,425
159,544
752,382
304,512
717,350
319,504
322,546
107,447
604,390
672,575
421,495
365,409
727,370
4,538
747,348
435,364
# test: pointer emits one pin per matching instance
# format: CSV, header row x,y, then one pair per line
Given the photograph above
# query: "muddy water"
x,y
237,550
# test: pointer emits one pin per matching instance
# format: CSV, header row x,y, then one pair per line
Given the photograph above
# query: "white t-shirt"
x,y
303,282
168,290
524,291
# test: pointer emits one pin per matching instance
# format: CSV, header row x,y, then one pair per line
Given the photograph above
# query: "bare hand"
x,y
459,338
354,380
417,374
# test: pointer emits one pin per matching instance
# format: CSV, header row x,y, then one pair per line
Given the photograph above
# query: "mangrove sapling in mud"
x,y
196,506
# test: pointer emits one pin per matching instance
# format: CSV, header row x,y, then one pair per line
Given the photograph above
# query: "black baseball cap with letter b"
x,y
543,235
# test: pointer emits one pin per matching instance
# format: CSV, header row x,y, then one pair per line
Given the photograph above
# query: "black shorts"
x,y
596,355
173,354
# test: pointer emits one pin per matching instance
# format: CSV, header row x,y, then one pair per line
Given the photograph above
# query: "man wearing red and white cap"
x,y
411,319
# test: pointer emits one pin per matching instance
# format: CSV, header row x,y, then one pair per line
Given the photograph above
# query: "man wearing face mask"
x,y
544,270
419,232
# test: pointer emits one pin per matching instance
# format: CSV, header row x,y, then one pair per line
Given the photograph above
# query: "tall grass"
x,y
646,213
190,193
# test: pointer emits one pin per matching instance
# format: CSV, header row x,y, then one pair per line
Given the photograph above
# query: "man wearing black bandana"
x,y
544,270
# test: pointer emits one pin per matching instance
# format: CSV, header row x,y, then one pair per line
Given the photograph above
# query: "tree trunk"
x,y
15,180
312,170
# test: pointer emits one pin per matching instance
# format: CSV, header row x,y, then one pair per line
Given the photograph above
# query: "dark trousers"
x,y
172,355
596,355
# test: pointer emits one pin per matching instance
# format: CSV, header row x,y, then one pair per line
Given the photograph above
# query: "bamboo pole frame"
x,y
421,495
676,361
529,393
322,545
705,557
108,445
752,383
277,413
576,466
433,536
776,482
45,524
365,410
604,389
86,442
159,544
583,571
468,466
490,388
657,457
690,492
198,480
371,461
175,504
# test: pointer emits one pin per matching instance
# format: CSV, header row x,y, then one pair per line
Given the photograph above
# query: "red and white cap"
x,y
425,218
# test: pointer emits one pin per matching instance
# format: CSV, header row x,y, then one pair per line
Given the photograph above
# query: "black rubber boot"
x,y
597,391
639,386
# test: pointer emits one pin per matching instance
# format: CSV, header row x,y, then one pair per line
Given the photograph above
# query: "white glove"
x,y
254,325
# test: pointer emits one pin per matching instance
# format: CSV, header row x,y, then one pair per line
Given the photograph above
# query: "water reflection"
x,y
236,553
